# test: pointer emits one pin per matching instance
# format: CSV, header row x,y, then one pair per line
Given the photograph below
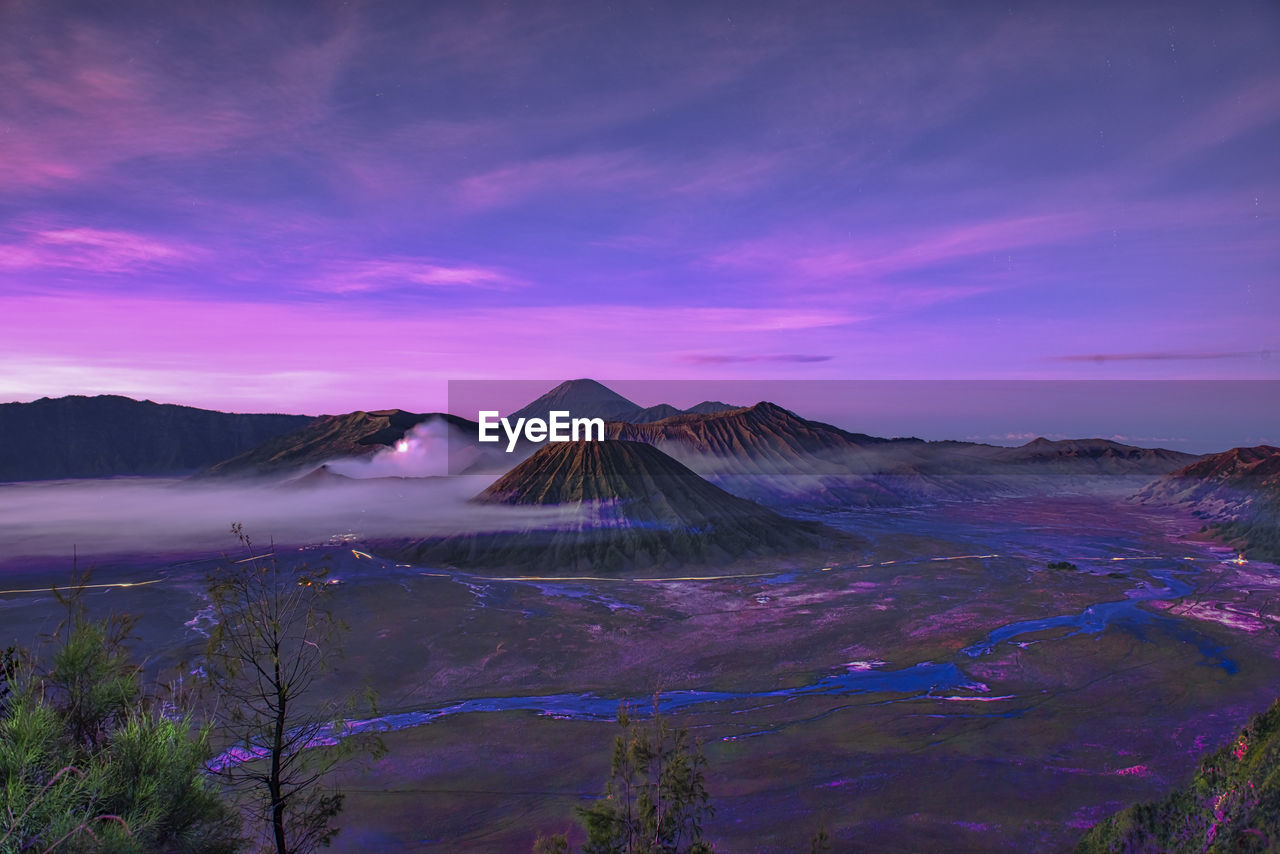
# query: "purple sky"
x,y
324,207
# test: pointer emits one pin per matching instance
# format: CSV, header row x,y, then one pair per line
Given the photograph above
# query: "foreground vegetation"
x,y
91,762
1232,803
834,748
656,799
93,759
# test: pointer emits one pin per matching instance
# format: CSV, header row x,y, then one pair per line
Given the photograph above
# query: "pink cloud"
x,y
93,250
881,274
717,174
591,172
383,274
729,359
1252,106
253,81
492,151
871,258
93,97
732,173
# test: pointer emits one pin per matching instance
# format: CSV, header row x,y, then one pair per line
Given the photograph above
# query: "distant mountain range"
x,y
772,438
762,452
640,509
362,434
104,436
585,398
768,453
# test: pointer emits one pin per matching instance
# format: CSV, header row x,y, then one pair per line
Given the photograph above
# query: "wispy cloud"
x,y
1254,104
642,176
574,173
881,255
728,359
1171,356
93,250
690,191
398,273
95,95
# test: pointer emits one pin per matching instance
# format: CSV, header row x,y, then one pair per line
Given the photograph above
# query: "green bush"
x,y
1231,805
88,763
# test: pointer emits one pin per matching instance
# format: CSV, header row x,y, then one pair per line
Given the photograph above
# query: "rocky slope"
x,y
1237,492
760,438
639,508
1230,485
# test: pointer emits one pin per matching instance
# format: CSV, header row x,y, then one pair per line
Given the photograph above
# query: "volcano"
x,y
636,476
770,454
639,508
763,438
329,437
585,398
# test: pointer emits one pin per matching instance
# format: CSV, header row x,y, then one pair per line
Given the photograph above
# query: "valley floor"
x,y
943,690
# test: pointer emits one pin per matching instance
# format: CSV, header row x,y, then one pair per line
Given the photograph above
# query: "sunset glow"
x,y
328,208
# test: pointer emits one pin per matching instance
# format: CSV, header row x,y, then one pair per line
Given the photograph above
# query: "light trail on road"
x,y
659,579
54,587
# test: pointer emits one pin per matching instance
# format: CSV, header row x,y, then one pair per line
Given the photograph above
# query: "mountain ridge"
x,y
1223,485
112,435
1236,491
740,447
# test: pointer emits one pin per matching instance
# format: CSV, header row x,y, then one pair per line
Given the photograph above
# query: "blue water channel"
x,y
920,680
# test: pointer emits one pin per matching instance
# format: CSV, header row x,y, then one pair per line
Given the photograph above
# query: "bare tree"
x,y
274,642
